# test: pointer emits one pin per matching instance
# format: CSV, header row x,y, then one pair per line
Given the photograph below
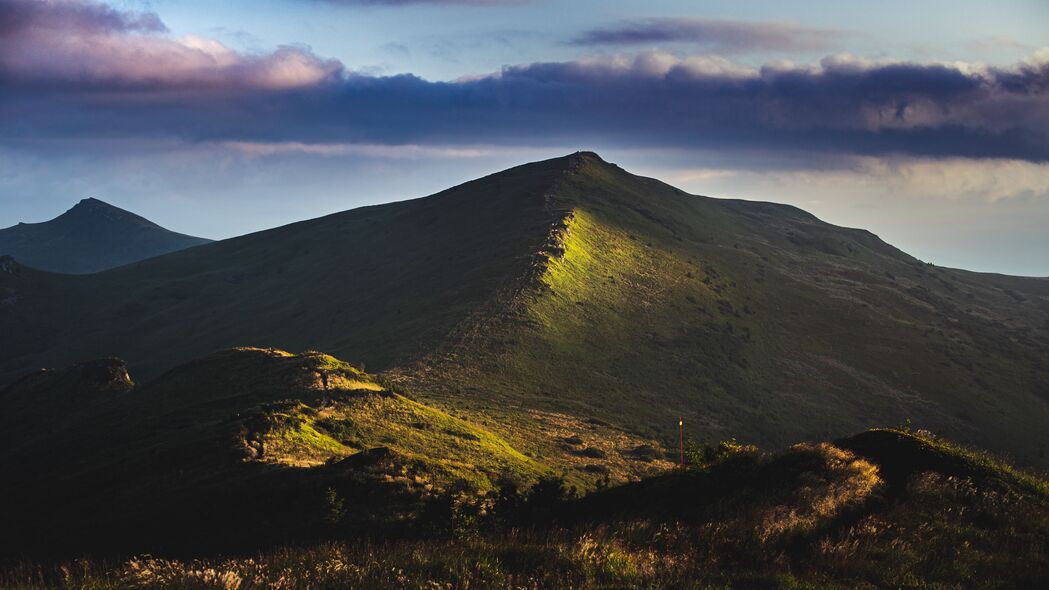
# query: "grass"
x,y
940,451
812,516
453,449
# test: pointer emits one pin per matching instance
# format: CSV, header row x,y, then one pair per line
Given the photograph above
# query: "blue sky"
x,y
925,122
442,42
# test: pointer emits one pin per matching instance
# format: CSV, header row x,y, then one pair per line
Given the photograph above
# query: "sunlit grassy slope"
x,y
223,441
571,286
250,405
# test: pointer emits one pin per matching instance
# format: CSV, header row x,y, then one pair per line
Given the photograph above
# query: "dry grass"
x,y
850,482
810,517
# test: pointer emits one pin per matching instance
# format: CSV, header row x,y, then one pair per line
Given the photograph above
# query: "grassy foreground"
x,y
912,511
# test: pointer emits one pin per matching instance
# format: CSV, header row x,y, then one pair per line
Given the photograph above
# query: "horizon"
x,y
931,131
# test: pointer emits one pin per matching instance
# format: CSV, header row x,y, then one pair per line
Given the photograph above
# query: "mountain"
x,y
91,237
572,287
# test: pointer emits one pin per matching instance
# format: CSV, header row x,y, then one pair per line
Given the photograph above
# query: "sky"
x,y
926,122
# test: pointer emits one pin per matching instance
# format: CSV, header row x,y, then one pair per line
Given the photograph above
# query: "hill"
x,y
245,444
572,287
91,237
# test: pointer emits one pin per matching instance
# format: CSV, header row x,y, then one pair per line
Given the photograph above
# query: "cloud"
x,y
81,45
944,180
391,152
962,179
122,77
987,214
71,16
720,36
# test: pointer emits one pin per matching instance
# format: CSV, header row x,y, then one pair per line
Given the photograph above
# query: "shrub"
x,y
709,455
334,507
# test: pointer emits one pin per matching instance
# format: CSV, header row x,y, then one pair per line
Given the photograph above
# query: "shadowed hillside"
x,y
571,286
90,237
381,285
245,444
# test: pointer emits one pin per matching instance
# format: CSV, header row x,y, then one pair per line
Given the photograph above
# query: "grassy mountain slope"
x,y
90,237
757,321
570,286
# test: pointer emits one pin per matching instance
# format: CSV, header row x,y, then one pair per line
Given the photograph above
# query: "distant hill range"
x,y
572,286
91,237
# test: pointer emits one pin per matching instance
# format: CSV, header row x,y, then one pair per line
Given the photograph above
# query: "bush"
x,y
707,456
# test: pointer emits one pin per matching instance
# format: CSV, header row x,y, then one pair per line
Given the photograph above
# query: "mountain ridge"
x,y
570,285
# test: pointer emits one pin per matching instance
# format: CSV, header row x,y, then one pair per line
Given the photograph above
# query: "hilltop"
x,y
90,237
573,287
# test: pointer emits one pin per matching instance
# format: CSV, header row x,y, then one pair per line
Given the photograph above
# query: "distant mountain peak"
x,y
92,235
95,207
92,202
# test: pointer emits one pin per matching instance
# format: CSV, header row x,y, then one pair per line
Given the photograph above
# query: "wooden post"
x,y
681,441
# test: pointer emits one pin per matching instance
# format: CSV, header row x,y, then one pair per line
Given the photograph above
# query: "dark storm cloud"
x,y
721,36
134,83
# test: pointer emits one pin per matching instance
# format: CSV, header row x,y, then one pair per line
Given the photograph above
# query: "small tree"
x,y
334,507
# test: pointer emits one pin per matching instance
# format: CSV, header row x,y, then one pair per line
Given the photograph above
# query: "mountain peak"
x,y
93,206
93,203
587,155
581,158
90,236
